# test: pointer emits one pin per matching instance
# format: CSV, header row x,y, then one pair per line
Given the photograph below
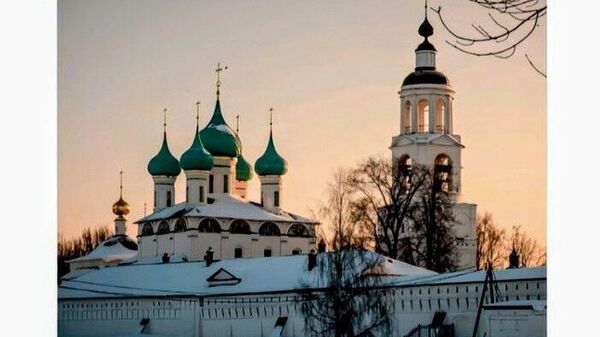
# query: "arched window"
x,y
443,173
147,229
163,228
404,172
298,230
209,225
180,225
239,227
297,251
423,116
406,117
440,116
269,229
268,252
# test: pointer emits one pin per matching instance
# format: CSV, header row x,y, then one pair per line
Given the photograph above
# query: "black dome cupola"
x,y
425,72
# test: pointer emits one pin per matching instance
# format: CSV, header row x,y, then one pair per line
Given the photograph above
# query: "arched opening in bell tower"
x,y
403,172
406,117
440,116
443,173
423,116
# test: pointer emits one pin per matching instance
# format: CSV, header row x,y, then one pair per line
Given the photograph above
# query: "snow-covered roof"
x,y
471,276
116,248
225,206
257,275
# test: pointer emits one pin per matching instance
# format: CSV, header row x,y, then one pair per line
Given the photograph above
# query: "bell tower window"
x,y
404,172
423,116
406,120
225,183
443,173
211,183
440,117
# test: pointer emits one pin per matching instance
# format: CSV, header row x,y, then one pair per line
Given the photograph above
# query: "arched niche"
x,y
180,225
269,229
298,230
163,228
239,227
209,225
147,229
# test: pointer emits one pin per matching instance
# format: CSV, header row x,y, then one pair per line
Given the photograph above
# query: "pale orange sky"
x,y
330,69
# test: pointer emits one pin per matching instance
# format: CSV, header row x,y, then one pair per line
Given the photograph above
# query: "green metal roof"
x,y
218,138
243,169
270,163
196,157
164,164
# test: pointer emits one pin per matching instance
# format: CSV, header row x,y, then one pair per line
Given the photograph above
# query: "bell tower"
x,y
427,137
426,130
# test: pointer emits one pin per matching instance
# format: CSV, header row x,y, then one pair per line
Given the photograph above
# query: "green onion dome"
x,y
243,169
196,157
218,138
270,163
164,164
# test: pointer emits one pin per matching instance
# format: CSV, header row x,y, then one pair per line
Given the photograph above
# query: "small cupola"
x,y
121,208
270,168
197,163
425,69
197,157
164,163
164,169
270,163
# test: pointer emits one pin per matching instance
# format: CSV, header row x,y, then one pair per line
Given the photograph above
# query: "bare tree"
x,y
348,301
490,243
384,195
530,253
432,216
69,249
406,210
512,21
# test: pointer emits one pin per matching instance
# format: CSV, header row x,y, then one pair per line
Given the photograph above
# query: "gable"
x,y
446,140
222,277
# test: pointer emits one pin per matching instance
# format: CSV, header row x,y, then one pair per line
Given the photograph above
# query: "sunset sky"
x,y
330,69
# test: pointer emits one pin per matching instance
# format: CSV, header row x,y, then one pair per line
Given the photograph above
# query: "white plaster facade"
x,y
259,291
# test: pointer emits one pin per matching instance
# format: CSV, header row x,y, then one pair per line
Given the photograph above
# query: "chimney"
x,y
209,256
322,246
312,260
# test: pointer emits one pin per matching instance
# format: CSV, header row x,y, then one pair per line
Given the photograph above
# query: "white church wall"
x,y
247,316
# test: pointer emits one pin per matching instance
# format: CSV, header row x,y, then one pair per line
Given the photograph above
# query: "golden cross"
x,y
271,118
237,123
165,119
